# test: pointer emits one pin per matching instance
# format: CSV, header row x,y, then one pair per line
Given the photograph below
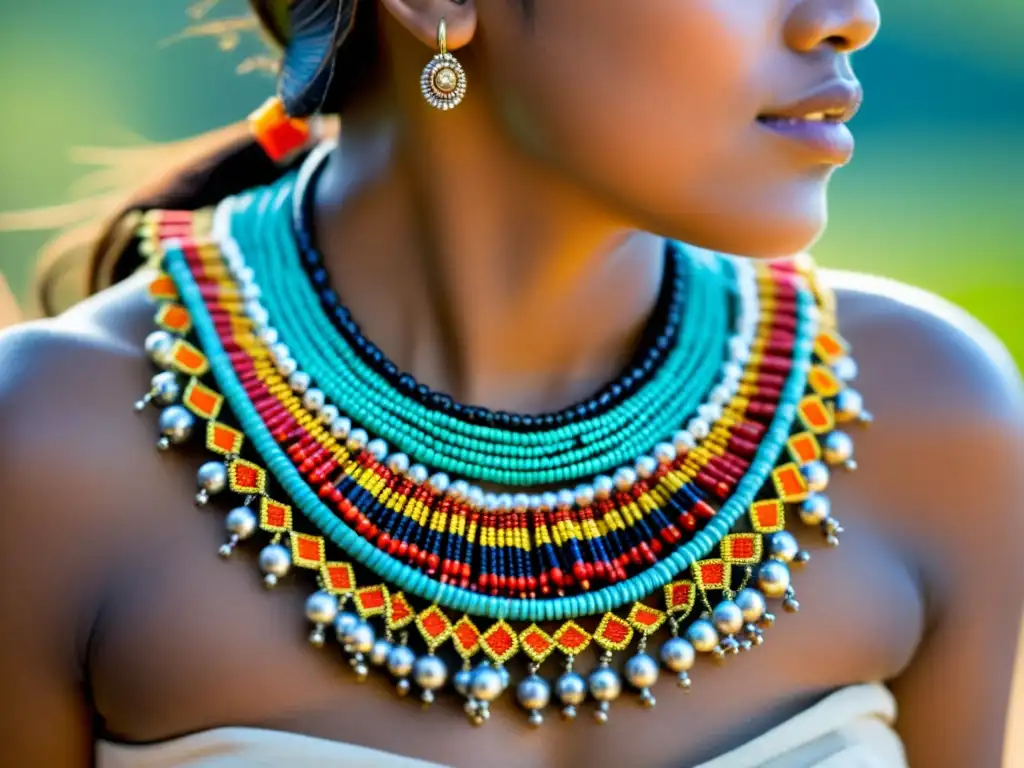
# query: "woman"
x,y
508,250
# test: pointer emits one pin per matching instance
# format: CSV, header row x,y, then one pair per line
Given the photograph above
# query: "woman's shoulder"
x,y
925,355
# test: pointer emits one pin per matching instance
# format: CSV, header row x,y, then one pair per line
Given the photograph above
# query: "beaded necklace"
x,y
661,513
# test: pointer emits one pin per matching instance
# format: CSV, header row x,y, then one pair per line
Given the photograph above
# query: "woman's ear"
x,y
422,17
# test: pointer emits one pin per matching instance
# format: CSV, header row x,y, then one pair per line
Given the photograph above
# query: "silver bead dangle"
x,y
321,608
533,694
400,664
212,478
175,424
641,672
430,674
241,524
678,656
158,346
275,561
605,685
571,690
837,448
164,389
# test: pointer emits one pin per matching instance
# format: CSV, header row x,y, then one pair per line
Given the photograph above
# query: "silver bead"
x,y
400,661
378,449
845,368
678,655
165,388
702,635
212,478
665,453
727,617
641,671
321,607
838,449
624,478
300,382
429,673
275,561
790,605
486,684
849,405
175,423
158,347
344,625
314,399
340,428
571,689
357,440
398,463
461,681
604,684
646,466
815,509
536,718
379,652
773,578
752,603
783,546
533,693
816,474
241,521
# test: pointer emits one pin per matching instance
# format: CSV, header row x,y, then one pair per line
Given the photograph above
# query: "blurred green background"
x,y
935,196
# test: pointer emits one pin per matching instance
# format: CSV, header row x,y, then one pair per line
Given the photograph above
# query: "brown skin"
x,y
124,625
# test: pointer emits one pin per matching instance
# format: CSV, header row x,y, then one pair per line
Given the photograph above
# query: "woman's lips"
x,y
829,141
817,121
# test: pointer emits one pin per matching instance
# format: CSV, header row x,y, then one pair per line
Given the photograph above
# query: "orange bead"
x,y
279,134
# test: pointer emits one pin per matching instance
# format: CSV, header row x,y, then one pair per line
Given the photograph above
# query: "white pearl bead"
x,y
603,487
520,502
665,453
624,478
418,474
699,428
459,490
398,463
314,399
328,414
584,495
340,428
475,496
378,449
565,498
357,439
279,352
710,412
684,441
646,466
439,482
549,500
300,381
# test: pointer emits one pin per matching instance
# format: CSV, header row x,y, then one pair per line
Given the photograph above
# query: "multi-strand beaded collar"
x,y
649,521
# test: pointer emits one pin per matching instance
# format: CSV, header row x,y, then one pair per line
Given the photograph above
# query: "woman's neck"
x,y
476,271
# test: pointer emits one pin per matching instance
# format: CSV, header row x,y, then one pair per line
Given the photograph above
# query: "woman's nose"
x,y
843,25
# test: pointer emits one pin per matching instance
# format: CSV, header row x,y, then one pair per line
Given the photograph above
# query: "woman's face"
x,y
663,108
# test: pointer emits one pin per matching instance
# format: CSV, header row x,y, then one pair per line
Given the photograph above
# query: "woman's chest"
x,y
189,641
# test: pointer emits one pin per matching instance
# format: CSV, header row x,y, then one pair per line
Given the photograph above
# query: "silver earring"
x,y
443,81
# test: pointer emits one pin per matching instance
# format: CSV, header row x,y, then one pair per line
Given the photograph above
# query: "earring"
x,y
443,82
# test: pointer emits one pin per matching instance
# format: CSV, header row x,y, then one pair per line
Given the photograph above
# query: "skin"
x,y
125,625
